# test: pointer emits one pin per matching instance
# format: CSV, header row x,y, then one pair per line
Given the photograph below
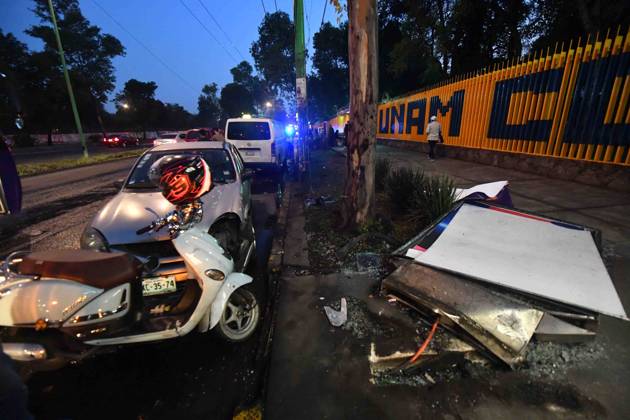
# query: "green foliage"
x,y
236,100
381,173
274,53
208,106
422,198
402,185
434,198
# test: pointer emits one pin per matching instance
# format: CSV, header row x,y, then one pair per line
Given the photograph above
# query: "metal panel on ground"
x,y
526,253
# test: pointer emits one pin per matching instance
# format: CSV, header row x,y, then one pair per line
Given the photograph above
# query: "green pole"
x,y
300,82
75,110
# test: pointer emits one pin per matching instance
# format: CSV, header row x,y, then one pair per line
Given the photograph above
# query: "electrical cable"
x,y
263,5
154,55
208,31
221,29
426,342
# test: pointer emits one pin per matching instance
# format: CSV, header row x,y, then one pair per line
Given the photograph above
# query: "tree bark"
x,y
358,204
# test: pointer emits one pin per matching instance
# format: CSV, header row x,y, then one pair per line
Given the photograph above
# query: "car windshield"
x,y
248,130
168,136
218,160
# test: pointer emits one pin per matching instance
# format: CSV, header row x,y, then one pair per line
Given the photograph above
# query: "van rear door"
x,y
253,139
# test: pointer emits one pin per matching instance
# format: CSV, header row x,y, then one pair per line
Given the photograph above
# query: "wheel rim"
x,y
240,317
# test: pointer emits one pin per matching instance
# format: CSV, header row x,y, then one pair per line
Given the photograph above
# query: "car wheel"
x,y
240,317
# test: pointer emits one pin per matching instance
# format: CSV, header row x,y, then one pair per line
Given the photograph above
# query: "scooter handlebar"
x,y
144,229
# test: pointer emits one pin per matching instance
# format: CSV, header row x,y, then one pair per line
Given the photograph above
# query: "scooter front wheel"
x,y
240,316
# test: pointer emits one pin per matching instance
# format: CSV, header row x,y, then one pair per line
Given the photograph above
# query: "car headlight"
x,y
94,240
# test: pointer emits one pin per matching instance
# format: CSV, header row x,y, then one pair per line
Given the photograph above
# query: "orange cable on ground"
x,y
426,342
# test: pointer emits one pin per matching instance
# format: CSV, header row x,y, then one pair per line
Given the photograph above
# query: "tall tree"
x,y
208,106
136,104
328,86
88,52
243,74
236,100
273,52
358,205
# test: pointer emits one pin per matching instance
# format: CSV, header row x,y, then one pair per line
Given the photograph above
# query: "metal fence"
x,y
570,103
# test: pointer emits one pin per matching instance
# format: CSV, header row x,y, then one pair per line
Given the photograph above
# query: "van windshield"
x,y
248,130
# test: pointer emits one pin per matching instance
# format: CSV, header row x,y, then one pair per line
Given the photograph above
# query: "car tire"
x,y
241,315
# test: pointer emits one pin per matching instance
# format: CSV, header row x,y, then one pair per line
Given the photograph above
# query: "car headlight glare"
x,y
94,240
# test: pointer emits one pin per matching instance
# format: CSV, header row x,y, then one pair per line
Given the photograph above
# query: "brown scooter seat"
x,y
97,269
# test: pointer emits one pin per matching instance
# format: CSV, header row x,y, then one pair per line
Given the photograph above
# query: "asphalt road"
x,y
198,376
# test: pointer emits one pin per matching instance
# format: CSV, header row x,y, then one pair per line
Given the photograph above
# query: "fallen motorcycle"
x,y
64,305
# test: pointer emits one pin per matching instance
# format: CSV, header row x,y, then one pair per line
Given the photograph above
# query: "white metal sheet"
x,y
490,189
526,254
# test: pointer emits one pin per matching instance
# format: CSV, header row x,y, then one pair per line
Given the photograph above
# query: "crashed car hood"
x,y
129,211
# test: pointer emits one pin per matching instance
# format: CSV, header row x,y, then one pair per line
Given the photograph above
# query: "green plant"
x,y
435,197
381,173
402,184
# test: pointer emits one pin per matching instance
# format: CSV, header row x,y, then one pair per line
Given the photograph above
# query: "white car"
x,y
261,141
169,138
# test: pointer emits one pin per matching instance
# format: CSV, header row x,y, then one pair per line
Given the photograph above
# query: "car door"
x,y
246,185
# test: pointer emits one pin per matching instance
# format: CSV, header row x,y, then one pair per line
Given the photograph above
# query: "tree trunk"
x,y
358,204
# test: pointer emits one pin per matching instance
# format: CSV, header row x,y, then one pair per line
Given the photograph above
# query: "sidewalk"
x,y
318,371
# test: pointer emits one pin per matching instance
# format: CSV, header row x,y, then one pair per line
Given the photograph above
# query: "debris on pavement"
x,y
322,200
505,281
337,318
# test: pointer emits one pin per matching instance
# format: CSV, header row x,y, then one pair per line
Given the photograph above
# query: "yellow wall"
x,y
572,102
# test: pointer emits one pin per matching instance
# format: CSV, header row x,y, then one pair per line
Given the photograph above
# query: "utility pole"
x,y
62,56
300,82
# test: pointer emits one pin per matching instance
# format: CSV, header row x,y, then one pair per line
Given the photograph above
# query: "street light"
x,y
268,104
124,105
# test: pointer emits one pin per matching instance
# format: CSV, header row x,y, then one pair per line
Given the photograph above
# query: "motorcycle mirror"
x,y
10,186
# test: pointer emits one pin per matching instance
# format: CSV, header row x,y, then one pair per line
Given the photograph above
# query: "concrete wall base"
x,y
614,177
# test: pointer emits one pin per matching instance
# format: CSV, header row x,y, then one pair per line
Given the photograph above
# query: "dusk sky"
x,y
168,30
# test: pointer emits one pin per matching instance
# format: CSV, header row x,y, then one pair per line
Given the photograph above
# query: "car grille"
x,y
171,263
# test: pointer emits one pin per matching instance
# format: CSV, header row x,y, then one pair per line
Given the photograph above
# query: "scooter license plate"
x,y
158,285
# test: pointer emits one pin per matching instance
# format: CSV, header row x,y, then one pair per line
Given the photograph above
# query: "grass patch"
x,y
37,168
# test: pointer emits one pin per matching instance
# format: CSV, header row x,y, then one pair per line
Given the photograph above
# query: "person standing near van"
x,y
434,134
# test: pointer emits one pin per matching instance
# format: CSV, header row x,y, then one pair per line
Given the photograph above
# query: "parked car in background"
x,y
261,141
198,134
169,138
121,140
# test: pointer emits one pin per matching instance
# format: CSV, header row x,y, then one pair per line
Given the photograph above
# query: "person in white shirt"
x,y
434,134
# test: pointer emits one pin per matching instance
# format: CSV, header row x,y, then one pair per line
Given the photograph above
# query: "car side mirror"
x,y
118,184
247,174
10,186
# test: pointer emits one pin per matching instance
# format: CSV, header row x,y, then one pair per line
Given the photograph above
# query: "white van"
x,y
261,141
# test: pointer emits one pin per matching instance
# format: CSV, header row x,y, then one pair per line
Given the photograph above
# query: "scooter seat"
x,y
98,269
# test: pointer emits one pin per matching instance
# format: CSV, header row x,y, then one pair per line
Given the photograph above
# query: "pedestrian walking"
x,y
434,135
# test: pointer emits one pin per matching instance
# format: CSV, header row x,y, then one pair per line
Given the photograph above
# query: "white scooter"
x,y
60,306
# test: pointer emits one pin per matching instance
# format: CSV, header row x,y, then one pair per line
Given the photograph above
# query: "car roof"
x,y
199,145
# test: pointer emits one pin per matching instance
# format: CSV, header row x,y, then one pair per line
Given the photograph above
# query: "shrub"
x,y
381,173
402,185
435,198
24,140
